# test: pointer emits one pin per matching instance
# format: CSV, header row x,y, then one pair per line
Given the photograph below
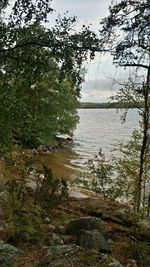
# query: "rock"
x,y
143,229
4,196
47,220
62,141
85,223
51,228
61,254
114,263
40,149
72,255
7,253
64,250
61,229
69,239
54,240
31,182
124,217
2,224
93,239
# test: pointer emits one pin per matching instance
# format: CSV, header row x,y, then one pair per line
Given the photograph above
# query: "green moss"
x,y
91,259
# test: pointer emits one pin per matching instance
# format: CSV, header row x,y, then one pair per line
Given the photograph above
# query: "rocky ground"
x,y
83,232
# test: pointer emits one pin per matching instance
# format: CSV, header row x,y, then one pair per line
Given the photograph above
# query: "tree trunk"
x,y
144,139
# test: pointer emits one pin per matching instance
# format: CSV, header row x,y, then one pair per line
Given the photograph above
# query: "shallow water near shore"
x,y
98,128
61,163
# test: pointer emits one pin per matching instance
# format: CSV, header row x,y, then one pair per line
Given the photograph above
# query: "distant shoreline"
x,y
90,105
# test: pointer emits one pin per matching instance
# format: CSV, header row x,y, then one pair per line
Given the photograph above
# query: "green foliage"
x,y
25,226
28,206
135,248
136,153
36,107
131,20
51,189
103,181
40,73
117,178
109,105
127,168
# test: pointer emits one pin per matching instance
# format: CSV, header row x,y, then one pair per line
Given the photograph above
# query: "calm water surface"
x,y
98,128
101,128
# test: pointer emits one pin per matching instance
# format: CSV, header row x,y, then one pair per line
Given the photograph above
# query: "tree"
x,y
66,44
49,104
126,34
102,171
127,169
40,72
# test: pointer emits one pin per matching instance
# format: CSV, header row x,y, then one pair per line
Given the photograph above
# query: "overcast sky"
x,y
99,79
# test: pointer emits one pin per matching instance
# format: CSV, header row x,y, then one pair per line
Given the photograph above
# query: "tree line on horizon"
x,y
109,105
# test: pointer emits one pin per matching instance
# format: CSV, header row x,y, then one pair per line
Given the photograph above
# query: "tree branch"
x,y
52,45
134,65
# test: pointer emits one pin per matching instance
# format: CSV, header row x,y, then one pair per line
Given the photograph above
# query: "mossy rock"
x,y
85,223
93,239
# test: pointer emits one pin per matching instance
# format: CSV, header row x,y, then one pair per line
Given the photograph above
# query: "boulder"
x,y
72,255
143,230
7,253
85,223
93,239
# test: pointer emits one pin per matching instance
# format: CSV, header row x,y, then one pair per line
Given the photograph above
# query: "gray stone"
x,y
7,253
64,250
54,240
2,224
61,229
47,220
69,255
93,240
31,184
69,239
115,263
85,223
61,254
144,229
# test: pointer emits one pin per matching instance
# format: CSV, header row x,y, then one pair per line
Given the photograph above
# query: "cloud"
x,y
98,90
99,79
103,87
87,11
83,9
98,84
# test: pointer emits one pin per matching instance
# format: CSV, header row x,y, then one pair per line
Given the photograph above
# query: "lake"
x,y
102,128
98,128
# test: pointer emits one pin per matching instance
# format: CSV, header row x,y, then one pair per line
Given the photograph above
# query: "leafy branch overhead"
x,y
126,32
66,44
41,72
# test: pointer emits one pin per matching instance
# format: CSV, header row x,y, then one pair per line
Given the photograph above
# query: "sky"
x,y
100,75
